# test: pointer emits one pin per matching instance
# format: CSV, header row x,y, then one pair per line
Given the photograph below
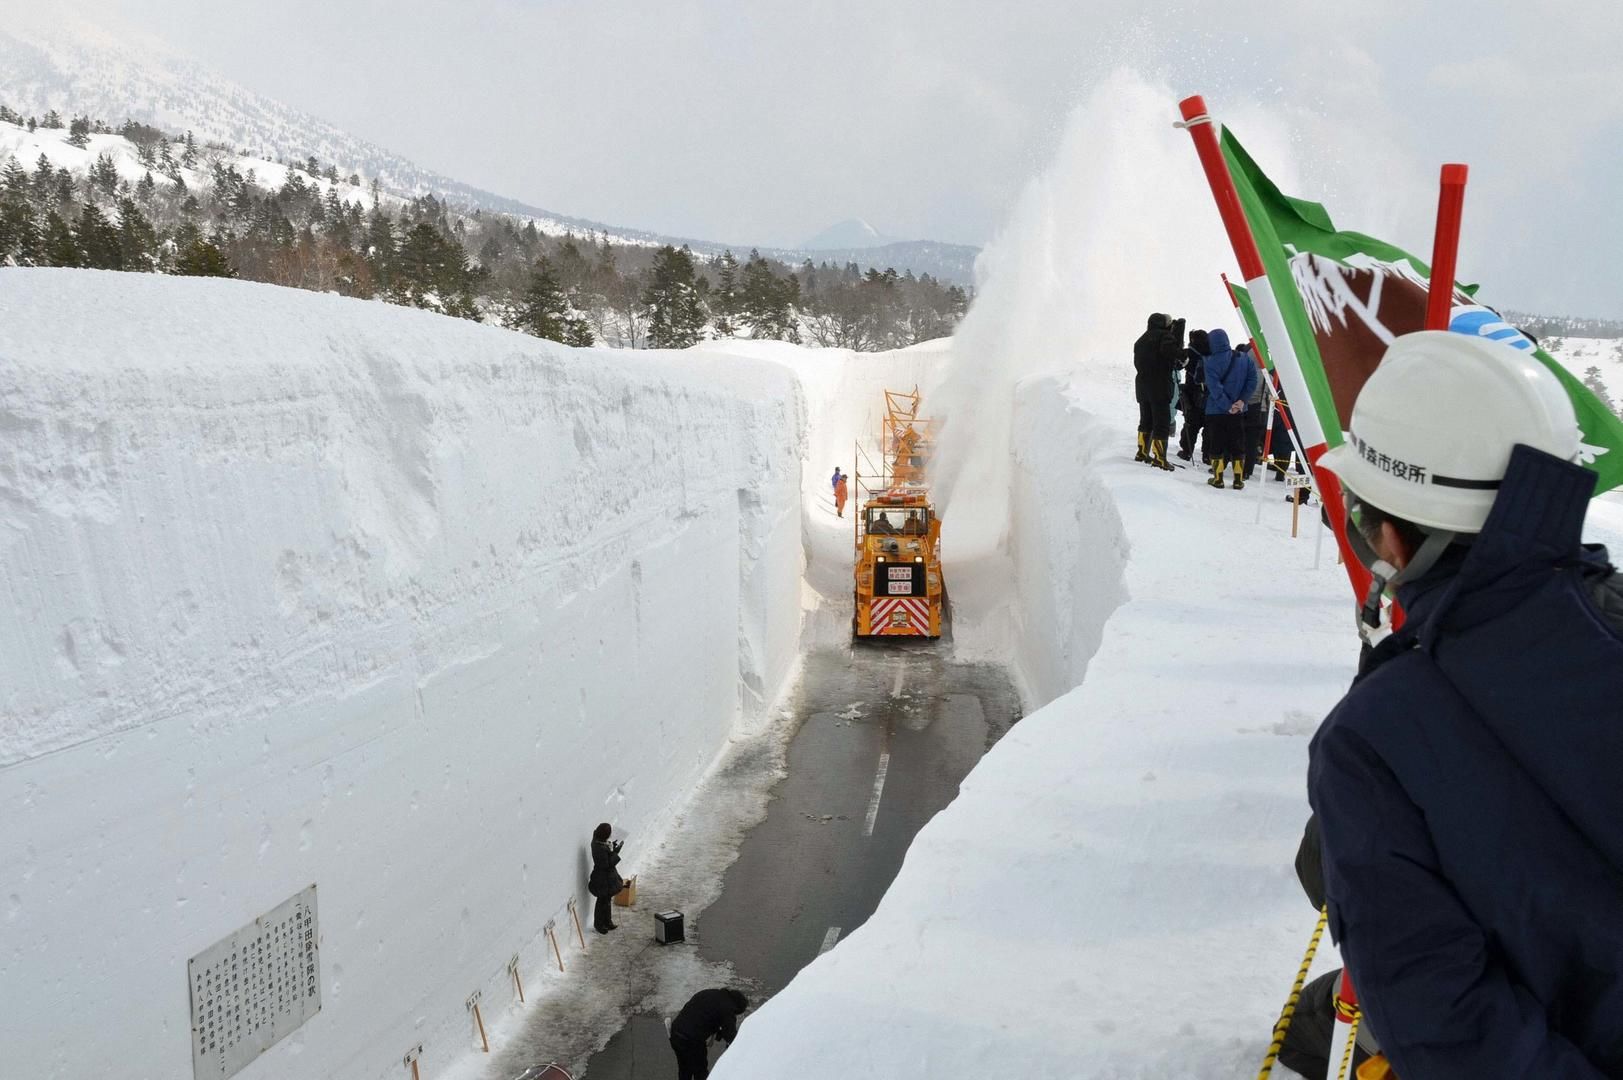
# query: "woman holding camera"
x,y
605,880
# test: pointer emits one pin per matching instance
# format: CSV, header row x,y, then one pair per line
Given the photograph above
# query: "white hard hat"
x,y
1434,425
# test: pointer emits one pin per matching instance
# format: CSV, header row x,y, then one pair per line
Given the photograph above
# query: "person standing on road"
x,y
841,493
1466,786
708,1014
1228,381
605,880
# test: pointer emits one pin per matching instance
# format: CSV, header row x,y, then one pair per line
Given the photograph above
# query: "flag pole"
x,y
1445,246
1202,129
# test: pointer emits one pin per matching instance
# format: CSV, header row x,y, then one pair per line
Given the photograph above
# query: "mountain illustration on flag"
x,y
1354,294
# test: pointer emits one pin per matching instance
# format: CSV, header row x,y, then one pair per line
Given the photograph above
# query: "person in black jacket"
x,y
1156,354
605,880
1192,395
708,1014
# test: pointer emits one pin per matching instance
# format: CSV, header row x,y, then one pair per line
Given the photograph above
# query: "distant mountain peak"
x,y
847,234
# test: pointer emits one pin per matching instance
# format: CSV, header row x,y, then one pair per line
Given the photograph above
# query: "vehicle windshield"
x,y
898,520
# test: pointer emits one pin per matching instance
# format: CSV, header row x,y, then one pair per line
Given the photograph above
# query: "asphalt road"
x,y
886,736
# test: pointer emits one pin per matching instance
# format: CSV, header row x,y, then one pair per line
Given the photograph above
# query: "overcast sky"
x,y
765,122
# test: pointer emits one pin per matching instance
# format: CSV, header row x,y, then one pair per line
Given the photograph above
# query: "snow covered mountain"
x,y
52,59
851,233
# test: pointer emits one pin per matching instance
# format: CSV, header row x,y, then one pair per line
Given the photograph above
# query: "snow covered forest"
x,y
79,193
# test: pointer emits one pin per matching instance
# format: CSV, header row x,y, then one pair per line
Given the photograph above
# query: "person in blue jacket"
x,y
1229,378
1468,785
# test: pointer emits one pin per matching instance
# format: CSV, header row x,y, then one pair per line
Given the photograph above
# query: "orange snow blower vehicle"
x,y
899,590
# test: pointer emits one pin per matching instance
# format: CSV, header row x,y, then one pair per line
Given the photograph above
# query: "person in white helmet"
x,y
1469,787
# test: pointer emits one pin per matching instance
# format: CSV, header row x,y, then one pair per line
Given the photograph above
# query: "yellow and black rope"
x,y
1289,1010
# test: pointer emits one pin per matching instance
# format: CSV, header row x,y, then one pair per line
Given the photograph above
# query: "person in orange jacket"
x,y
840,492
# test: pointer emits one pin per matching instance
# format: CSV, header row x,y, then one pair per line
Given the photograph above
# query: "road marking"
x,y
829,939
896,690
878,790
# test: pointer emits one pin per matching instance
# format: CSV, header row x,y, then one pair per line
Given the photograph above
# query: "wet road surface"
x,y
886,735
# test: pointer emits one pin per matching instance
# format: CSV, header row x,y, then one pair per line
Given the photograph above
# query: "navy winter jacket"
x,y
1229,375
1469,791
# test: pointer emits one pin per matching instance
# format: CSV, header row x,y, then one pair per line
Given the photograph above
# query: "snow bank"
x,y
313,590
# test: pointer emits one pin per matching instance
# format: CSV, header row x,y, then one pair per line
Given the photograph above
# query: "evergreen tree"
x,y
544,310
20,241
1592,380
188,156
766,302
61,249
137,240
203,258
97,240
9,117
78,132
724,301
52,121
147,189
14,180
676,318
104,175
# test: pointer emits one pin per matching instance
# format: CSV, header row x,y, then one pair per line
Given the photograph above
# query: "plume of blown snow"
x,y
1121,225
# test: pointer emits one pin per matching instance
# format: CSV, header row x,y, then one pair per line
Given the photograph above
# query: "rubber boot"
x,y
1158,455
1239,470
1141,455
1217,472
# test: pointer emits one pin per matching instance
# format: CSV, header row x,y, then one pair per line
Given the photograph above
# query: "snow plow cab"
x,y
899,590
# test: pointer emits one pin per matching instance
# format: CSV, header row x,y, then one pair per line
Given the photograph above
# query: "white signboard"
x,y
254,987
901,573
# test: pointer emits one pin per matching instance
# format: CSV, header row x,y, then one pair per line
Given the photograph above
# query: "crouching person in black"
x,y
605,880
708,1014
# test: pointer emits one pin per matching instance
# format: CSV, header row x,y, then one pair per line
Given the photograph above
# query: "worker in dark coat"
x,y
1467,785
1192,394
605,880
1156,354
1229,379
708,1014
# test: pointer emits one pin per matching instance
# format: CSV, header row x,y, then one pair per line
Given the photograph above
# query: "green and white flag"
x,y
1342,297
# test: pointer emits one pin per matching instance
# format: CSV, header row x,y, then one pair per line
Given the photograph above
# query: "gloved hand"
x,y
1237,408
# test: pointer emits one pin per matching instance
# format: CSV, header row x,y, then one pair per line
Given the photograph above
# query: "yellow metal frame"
x,y
906,444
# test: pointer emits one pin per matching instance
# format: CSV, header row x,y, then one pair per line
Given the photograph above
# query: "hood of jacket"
x,y
1159,321
1536,523
1218,341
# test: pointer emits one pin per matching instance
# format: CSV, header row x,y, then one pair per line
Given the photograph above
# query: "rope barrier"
x,y
1352,1042
1289,1011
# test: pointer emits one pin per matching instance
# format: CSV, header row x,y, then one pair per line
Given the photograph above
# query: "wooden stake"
x,y
512,969
552,937
411,1061
478,1018
575,914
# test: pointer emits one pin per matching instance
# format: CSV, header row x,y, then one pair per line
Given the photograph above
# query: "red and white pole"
x,y
1203,130
1445,246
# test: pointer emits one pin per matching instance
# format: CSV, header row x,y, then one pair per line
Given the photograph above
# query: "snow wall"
x,y
307,590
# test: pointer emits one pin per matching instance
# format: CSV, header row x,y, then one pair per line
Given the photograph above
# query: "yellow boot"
x,y
1239,470
1141,455
1158,454
1218,465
